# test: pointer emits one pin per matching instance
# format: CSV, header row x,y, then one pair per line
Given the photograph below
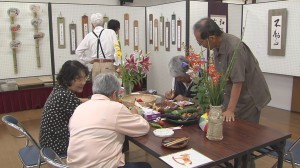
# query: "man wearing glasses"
x,y
246,92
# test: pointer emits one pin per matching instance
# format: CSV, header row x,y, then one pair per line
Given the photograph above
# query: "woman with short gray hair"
x,y
106,85
178,66
98,128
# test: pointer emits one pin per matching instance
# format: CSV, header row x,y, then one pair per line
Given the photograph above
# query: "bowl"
x,y
147,100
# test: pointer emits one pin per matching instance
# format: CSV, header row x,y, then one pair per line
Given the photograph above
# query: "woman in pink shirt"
x,y
98,128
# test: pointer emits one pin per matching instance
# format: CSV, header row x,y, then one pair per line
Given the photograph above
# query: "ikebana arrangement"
x,y
14,28
36,21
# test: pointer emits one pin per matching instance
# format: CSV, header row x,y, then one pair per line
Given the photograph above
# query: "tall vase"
x,y
127,88
215,124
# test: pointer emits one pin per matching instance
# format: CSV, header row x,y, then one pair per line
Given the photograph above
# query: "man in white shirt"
x,y
98,128
102,44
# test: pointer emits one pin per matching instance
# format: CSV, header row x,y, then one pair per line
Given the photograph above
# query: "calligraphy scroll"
x,y
161,28
136,34
221,21
126,29
73,38
155,35
61,32
151,29
179,28
173,29
167,36
105,21
277,32
85,25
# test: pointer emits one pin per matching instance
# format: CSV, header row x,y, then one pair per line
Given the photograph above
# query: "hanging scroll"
x,y
179,28
167,36
136,34
14,28
161,33
155,35
151,29
73,38
173,29
85,25
36,21
126,29
61,32
105,21
277,32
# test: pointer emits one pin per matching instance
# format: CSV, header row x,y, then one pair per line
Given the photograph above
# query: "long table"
x,y
241,138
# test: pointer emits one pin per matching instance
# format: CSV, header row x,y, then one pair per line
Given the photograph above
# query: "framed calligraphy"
x,y
136,35
61,32
221,21
151,29
155,35
277,23
126,29
73,37
167,33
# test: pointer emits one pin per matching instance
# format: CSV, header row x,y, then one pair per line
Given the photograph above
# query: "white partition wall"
x,y
113,12
26,54
198,10
159,77
256,36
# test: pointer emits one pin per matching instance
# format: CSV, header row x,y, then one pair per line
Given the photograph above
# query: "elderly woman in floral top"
x,y
60,106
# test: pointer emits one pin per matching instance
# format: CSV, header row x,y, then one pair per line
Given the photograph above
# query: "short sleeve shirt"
x,y
58,109
255,91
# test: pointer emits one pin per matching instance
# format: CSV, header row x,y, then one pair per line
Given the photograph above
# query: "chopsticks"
x,y
176,141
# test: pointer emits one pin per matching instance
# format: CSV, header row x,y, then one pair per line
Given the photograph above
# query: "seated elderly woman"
x,y
98,128
178,66
60,105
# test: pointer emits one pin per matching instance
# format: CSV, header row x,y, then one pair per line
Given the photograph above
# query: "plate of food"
x,y
189,115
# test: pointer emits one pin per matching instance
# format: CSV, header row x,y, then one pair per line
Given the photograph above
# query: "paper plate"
x,y
163,132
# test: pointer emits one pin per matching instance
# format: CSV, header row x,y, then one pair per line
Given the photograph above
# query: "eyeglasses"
x,y
201,42
82,78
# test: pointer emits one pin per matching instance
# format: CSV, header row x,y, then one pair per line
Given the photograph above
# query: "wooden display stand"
x,y
295,107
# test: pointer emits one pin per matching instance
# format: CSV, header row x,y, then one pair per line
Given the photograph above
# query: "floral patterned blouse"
x,y
58,109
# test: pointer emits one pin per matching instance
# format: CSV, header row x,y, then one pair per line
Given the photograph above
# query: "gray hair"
x,y
97,19
176,68
106,84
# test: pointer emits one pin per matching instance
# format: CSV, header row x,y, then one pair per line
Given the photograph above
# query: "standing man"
x,y
102,45
246,91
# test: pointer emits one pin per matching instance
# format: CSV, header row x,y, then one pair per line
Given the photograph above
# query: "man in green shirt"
x,y
246,91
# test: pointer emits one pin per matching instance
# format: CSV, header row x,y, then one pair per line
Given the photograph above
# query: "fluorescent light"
x,y
235,1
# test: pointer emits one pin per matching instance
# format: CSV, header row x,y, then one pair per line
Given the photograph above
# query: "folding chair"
x,y
291,154
30,154
52,158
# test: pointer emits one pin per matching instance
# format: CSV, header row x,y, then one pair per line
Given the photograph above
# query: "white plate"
x,y
163,132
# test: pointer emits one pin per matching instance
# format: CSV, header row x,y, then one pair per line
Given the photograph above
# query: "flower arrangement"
x,y
134,68
209,84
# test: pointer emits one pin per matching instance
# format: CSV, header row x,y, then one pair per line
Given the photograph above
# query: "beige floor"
x,y
272,117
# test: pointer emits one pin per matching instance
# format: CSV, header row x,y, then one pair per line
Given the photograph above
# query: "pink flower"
x,y
131,64
145,64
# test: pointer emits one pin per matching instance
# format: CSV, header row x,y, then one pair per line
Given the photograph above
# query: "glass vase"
x,y
127,88
215,124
